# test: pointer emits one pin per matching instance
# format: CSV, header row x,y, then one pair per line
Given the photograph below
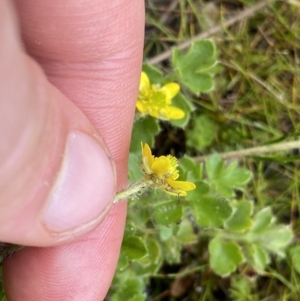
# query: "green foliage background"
x,y
231,238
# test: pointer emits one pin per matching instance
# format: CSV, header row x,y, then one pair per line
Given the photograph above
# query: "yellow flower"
x,y
156,101
162,171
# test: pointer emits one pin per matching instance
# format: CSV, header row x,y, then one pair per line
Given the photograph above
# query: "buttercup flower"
x,y
156,101
162,171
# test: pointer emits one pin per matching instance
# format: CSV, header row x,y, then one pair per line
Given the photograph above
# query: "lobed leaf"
x,y
181,102
224,179
294,253
277,238
211,211
241,220
122,262
202,188
171,251
133,247
165,232
167,213
144,129
134,168
203,132
154,252
130,229
259,257
262,220
154,74
225,256
195,68
130,290
186,233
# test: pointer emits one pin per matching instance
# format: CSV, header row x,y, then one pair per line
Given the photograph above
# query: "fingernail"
x,y
84,188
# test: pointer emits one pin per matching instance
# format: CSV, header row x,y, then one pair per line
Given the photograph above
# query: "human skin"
x,y
57,60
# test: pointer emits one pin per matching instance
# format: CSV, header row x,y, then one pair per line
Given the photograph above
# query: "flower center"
x,y
158,97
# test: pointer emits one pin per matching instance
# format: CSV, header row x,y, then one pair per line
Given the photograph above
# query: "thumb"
x,y
57,180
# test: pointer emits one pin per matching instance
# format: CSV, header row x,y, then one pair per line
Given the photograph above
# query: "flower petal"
x,y
170,112
173,162
174,176
147,158
181,185
144,83
170,89
163,172
153,111
140,105
161,166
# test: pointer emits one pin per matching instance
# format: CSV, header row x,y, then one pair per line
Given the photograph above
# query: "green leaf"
x,y
194,68
277,238
201,56
214,166
122,262
294,253
186,233
154,252
134,168
139,215
211,211
272,237
242,288
225,256
262,220
203,132
165,232
187,163
191,171
146,270
154,74
172,251
224,179
259,257
240,221
140,297
167,213
144,130
182,103
129,229
133,247
202,188
130,290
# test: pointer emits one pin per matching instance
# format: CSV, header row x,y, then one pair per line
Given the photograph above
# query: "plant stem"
x,y
283,146
181,274
132,190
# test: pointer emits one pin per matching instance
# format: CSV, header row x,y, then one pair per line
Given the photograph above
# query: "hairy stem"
x,y
132,190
